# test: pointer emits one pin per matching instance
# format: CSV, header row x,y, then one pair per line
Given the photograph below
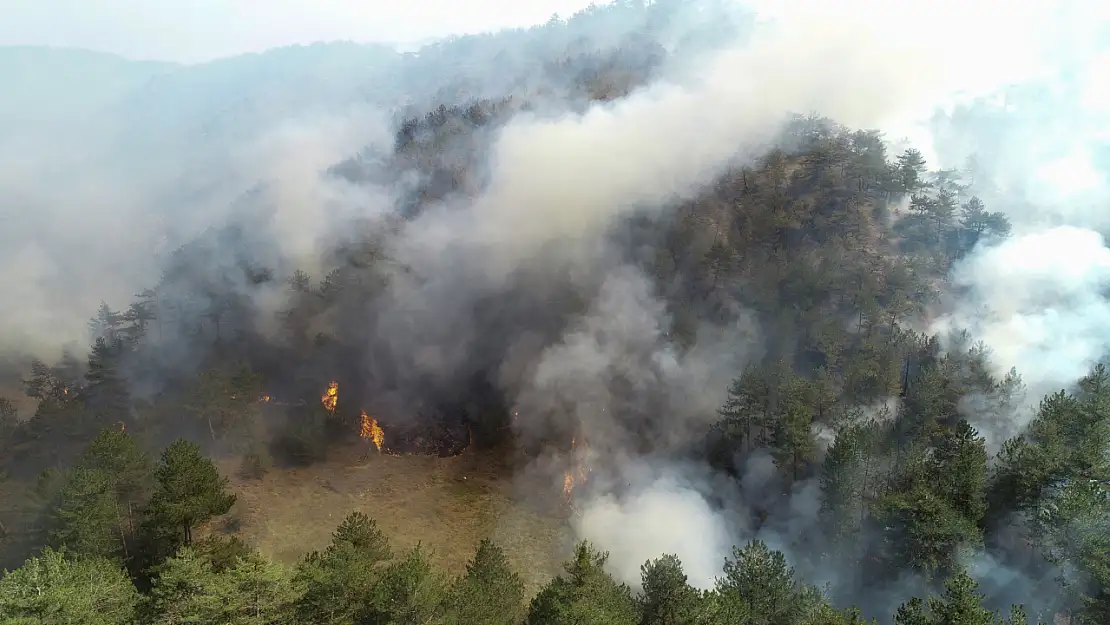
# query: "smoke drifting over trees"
x,y
666,257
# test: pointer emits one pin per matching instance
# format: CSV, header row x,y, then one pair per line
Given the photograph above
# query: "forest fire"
x,y
410,435
330,398
577,473
371,431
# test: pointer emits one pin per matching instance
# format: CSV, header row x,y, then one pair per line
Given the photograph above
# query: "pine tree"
x,y
923,531
489,593
667,598
410,592
264,592
188,491
340,582
961,604
910,170
105,325
747,410
1072,528
978,223
85,519
46,384
844,480
130,473
186,589
958,471
50,588
912,612
139,314
793,445
105,387
223,552
759,587
130,468
584,593
189,589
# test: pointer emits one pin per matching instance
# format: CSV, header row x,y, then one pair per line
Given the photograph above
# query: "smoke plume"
x,y
557,185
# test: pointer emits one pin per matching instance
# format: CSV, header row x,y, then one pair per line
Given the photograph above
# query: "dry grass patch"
x,y
447,504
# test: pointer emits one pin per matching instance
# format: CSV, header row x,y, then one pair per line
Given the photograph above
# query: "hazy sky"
x,y
199,30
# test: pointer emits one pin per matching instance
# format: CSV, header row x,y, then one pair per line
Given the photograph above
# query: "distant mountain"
x,y
239,95
44,85
50,88
178,136
144,104
167,126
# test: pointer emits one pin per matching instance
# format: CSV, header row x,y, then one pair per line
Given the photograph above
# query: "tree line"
x,y
122,549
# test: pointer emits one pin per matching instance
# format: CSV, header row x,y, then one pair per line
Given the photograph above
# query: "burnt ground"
x,y
447,504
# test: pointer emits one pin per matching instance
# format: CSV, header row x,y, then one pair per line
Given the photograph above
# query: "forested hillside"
x,y
767,346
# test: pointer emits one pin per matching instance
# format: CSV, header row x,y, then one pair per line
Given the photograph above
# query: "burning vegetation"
x,y
578,472
413,434
330,398
371,431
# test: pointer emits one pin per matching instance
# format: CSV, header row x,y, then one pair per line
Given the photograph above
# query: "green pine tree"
x,y
50,588
759,587
340,582
584,593
85,518
410,592
188,491
667,598
489,593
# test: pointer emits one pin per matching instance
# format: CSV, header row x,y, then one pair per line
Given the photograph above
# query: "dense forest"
x,y
881,468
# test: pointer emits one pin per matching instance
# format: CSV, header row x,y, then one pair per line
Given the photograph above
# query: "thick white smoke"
x,y
83,222
557,184
1040,301
566,180
311,208
666,512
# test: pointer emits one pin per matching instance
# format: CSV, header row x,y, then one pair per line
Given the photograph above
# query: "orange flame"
x,y
371,431
576,474
330,397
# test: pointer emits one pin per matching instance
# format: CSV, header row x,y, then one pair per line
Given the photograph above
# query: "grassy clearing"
x,y
447,504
